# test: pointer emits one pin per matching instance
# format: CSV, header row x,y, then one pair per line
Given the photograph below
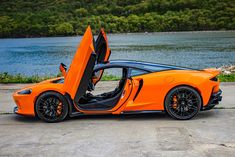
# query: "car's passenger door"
x,y
102,51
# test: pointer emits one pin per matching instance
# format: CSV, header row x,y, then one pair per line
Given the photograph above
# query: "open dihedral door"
x,y
81,68
102,51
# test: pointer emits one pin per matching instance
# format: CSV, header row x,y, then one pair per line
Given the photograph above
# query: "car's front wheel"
x,y
51,107
183,103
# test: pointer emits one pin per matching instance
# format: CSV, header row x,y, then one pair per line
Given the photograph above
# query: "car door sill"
x,y
141,112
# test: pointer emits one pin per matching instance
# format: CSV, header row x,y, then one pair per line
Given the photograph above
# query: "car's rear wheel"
x,y
51,107
183,103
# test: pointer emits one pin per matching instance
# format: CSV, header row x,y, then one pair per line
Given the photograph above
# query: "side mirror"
x,y
63,69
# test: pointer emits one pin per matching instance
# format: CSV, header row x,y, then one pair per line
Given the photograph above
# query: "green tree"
x,y
81,12
61,29
58,17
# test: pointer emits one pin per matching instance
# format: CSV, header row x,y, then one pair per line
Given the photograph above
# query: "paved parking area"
x,y
210,134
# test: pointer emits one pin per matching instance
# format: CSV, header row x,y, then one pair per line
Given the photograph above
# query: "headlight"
x,y
26,91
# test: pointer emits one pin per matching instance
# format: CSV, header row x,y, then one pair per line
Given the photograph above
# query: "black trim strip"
x,y
141,82
142,111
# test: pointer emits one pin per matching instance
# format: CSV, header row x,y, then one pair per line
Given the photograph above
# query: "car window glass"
x,y
155,68
136,72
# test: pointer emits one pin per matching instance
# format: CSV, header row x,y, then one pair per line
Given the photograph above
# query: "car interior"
x,y
105,100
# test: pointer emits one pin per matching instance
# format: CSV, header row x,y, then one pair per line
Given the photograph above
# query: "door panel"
x,y
83,85
125,95
102,51
135,85
79,64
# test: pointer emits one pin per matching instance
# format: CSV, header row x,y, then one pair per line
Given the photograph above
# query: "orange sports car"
x,y
142,87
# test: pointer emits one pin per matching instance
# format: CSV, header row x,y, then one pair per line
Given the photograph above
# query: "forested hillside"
x,y
32,18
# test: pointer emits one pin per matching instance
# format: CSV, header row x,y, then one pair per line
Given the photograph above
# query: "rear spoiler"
x,y
212,71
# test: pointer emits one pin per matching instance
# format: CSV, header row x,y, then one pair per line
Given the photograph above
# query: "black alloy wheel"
x,y
51,107
183,103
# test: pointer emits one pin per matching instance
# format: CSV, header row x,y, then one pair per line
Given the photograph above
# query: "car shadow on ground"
x,y
125,117
25,119
143,116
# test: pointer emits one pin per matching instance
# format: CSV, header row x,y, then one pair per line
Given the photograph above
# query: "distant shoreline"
x,y
171,32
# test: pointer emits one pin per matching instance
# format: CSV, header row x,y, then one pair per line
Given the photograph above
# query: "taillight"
x,y
214,79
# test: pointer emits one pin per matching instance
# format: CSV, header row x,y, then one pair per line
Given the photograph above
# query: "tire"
x,y
51,107
183,103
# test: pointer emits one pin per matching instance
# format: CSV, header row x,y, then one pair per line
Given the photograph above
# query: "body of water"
x,y
42,56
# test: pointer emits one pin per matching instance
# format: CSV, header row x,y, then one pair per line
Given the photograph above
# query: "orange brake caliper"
x,y
59,109
174,102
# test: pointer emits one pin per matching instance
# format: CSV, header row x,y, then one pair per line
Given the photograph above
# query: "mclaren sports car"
x,y
140,87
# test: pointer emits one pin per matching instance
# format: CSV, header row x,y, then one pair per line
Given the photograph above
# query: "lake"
x,y
42,56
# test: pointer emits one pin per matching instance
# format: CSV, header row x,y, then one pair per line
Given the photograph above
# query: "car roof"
x,y
147,66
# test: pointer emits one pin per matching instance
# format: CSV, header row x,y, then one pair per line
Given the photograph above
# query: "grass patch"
x,y
226,77
19,78
108,77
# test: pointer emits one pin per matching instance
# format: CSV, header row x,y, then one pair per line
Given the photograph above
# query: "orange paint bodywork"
x,y
78,65
157,85
151,96
26,102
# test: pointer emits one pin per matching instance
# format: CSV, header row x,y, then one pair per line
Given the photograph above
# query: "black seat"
x,y
102,101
